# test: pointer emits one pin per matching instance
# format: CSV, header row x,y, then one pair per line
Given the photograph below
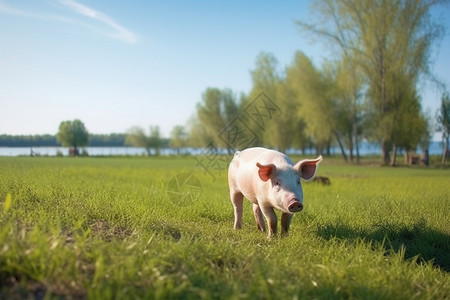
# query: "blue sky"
x,y
118,64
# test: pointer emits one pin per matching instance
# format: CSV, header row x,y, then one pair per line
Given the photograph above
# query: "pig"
x,y
270,180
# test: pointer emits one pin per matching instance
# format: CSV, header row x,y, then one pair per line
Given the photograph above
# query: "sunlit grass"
x,y
102,228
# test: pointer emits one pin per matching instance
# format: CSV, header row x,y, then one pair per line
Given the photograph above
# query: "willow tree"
x,y
265,76
215,113
137,137
266,79
178,138
287,129
385,40
313,89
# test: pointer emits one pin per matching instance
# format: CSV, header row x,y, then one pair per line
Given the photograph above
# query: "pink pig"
x,y
269,179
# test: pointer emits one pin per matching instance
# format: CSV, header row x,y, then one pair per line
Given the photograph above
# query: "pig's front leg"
x,y
237,200
285,222
259,217
271,218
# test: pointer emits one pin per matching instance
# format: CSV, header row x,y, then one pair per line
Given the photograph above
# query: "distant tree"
x,y
215,112
443,123
287,129
315,106
349,106
265,78
427,136
73,134
28,140
197,135
178,138
408,122
136,137
107,140
155,139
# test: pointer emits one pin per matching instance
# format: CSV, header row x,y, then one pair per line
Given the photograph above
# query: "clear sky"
x,y
118,64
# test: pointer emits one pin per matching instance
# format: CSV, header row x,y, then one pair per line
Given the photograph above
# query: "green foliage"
x,y
47,140
314,95
103,228
178,137
286,129
107,140
215,112
389,43
155,138
443,122
443,116
28,140
429,129
136,137
265,76
73,134
349,105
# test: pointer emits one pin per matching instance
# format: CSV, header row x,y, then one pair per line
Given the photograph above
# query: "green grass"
x,y
107,228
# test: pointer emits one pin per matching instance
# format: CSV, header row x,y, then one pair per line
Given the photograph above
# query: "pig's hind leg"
x,y
259,217
237,198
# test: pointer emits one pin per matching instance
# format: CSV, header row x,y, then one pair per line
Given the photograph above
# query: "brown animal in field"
x,y
322,180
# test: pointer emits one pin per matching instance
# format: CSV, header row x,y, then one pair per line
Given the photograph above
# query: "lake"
x,y
365,149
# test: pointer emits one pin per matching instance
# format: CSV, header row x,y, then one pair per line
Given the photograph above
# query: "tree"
x,y
73,134
155,140
197,135
265,80
426,137
136,137
409,123
265,76
178,138
443,123
287,128
349,106
387,41
215,112
314,100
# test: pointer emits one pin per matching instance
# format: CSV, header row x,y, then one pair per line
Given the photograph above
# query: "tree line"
x,y
48,140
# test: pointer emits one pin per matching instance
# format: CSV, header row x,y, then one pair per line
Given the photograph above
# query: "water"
x,y
365,149
53,151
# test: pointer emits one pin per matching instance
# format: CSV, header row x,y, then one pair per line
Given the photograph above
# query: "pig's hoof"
x,y
271,237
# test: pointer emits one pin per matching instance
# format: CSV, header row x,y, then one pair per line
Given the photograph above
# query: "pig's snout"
x,y
295,206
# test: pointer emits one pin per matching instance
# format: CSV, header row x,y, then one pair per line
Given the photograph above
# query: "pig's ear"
x,y
308,167
265,172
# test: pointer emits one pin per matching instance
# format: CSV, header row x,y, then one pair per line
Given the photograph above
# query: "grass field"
x,y
118,228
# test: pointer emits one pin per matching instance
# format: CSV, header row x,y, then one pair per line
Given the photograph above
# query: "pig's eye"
x,y
277,183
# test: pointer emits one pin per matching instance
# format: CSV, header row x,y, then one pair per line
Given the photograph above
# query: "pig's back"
x,y
261,155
